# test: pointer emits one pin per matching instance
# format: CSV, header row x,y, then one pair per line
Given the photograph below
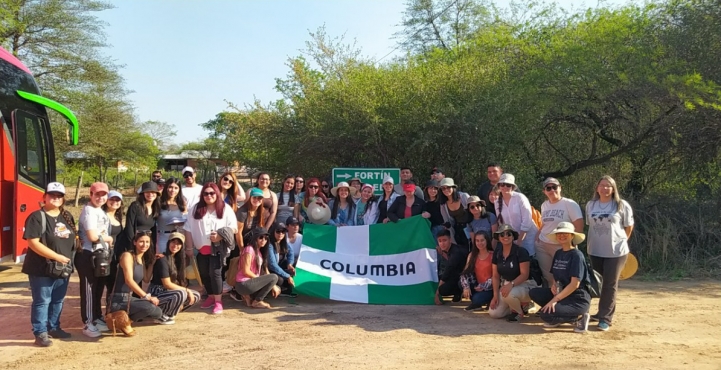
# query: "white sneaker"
x,y
101,325
226,287
581,325
91,331
165,320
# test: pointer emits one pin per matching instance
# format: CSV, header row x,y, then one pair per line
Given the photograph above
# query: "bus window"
x,y
31,147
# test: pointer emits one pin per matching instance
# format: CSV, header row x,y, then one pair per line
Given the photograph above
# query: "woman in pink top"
x,y
253,282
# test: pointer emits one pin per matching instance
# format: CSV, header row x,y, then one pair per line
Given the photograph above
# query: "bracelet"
x,y
147,296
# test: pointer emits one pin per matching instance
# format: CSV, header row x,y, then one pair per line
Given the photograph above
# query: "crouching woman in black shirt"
x,y
50,248
131,270
169,277
568,299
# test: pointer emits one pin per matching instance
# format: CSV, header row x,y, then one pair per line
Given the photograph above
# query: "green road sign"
x,y
373,176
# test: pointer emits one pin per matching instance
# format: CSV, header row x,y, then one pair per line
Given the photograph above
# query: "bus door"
x,y
33,169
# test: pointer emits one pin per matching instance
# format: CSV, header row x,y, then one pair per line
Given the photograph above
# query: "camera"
x,y
101,262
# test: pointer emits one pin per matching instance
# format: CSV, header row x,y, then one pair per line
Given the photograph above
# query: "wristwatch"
x,y
147,297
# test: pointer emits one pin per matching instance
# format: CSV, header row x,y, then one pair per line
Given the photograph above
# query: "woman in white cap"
x,y
610,224
386,199
114,209
342,206
513,208
568,299
555,210
168,283
453,209
93,233
367,206
51,246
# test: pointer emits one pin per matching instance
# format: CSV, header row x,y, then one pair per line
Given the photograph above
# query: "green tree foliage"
x,y
626,91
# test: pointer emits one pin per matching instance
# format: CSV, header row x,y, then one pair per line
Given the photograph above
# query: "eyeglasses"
x,y
144,232
312,186
263,237
300,181
227,179
473,206
504,185
505,234
209,193
280,231
551,187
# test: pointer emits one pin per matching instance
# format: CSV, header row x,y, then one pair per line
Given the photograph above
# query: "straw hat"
x,y
567,228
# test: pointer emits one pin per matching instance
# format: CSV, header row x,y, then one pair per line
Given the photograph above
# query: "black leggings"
x,y
139,308
210,270
258,287
566,310
91,287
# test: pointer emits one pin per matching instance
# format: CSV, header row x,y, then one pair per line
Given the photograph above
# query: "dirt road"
x,y
659,325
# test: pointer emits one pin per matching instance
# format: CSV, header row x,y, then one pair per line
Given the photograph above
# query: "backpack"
x,y
536,217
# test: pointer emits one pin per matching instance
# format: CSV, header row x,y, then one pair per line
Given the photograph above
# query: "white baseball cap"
x,y
55,187
188,169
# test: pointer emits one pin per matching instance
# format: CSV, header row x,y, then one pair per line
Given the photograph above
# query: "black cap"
x,y
149,186
280,226
292,221
258,231
433,183
437,170
160,181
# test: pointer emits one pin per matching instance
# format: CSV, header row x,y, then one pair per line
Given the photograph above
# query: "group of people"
x,y
246,244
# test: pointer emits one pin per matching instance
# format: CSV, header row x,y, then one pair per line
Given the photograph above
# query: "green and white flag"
x,y
393,263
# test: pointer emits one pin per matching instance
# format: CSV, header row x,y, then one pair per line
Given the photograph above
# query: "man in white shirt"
x,y
191,190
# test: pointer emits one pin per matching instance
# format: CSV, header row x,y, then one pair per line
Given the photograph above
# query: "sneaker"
x,y
101,325
549,325
594,318
582,323
91,331
209,302
235,296
513,317
42,340
288,294
456,297
603,326
165,320
473,307
226,287
59,334
529,308
217,308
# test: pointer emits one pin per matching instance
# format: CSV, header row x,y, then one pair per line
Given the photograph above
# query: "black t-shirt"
x,y
59,237
248,222
509,268
567,265
483,192
434,208
160,271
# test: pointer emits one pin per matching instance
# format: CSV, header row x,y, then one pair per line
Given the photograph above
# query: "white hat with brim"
x,y
448,182
343,184
566,228
388,179
318,214
507,178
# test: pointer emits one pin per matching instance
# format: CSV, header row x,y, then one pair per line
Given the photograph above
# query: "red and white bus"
x,y
27,154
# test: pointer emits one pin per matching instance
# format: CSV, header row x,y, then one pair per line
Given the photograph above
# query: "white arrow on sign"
x,y
344,176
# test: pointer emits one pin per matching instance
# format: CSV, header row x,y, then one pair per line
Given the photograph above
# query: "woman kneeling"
x,y
253,282
567,300
169,277
130,270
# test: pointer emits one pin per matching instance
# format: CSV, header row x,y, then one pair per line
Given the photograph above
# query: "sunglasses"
x,y
312,186
185,176
325,185
551,187
263,237
208,193
227,179
144,232
505,234
473,206
300,181
504,185
280,231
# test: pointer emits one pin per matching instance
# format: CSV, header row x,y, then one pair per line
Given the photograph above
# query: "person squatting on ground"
x,y
253,281
451,259
477,277
168,279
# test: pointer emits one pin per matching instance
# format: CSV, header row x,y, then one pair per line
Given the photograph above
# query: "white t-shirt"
x,y
201,229
92,218
565,210
192,195
606,233
518,214
296,246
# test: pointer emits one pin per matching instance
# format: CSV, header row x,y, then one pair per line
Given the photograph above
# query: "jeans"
x,y
610,269
48,297
210,270
481,298
257,288
567,310
139,308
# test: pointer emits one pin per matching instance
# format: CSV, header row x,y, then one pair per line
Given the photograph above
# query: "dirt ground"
x,y
659,325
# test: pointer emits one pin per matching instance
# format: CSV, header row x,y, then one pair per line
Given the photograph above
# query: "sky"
x,y
184,59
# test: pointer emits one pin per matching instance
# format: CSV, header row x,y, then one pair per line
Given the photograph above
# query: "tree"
x,y
161,132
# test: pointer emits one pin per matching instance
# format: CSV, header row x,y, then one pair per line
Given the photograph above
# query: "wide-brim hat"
x,y
473,199
177,235
503,228
448,182
149,187
507,178
567,228
343,184
318,214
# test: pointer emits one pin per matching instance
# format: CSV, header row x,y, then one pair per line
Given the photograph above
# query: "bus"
x,y
27,154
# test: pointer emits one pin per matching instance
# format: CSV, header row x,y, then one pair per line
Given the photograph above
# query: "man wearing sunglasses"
x,y
191,190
